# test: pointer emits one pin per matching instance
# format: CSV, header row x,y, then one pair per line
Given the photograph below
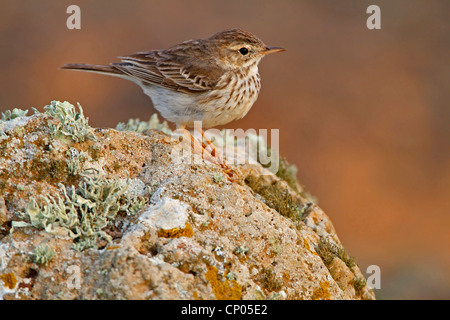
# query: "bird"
x,y
211,81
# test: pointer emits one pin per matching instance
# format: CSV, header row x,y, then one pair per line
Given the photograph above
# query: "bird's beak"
x,y
273,50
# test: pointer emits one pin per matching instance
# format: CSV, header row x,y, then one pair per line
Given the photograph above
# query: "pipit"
x,y
210,81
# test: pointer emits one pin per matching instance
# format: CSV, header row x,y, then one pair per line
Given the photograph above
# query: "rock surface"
x,y
168,229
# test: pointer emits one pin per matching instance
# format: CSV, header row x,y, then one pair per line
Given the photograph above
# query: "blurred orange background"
x,y
364,114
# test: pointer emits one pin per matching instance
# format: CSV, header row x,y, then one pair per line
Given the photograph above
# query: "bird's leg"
x,y
218,158
197,147
214,152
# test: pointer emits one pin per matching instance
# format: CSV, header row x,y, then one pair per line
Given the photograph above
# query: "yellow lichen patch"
x,y
308,247
306,243
9,280
176,232
323,292
223,290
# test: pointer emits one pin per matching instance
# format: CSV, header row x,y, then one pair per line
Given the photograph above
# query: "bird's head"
x,y
240,49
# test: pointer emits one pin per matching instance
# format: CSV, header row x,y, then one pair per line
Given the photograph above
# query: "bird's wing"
x,y
173,69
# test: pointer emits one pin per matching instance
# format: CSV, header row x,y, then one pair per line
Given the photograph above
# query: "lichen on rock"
x,y
72,124
123,215
82,213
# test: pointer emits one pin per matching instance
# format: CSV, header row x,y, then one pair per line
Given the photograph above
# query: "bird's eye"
x,y
243,51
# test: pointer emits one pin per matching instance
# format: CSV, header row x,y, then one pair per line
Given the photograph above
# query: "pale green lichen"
x,y
276,246
140,126
9,115
231,276
218,177
76,160
82,213
72,124
43,254
135,204
242,250
15,113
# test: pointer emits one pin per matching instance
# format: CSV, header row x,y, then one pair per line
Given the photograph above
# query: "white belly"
x,y
213,108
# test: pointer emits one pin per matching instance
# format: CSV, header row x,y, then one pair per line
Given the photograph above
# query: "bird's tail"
x,y
110,70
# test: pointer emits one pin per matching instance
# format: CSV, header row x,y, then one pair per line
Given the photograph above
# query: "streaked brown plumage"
x,y
213,80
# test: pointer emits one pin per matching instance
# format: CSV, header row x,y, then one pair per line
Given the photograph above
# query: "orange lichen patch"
x,y
176,232
223,290
323,292
9,280
112,247
286,277
196,296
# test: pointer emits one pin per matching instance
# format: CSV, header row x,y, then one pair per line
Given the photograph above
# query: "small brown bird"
x,y
213,80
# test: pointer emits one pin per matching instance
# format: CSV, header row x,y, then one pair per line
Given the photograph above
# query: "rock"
x,y
124,215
